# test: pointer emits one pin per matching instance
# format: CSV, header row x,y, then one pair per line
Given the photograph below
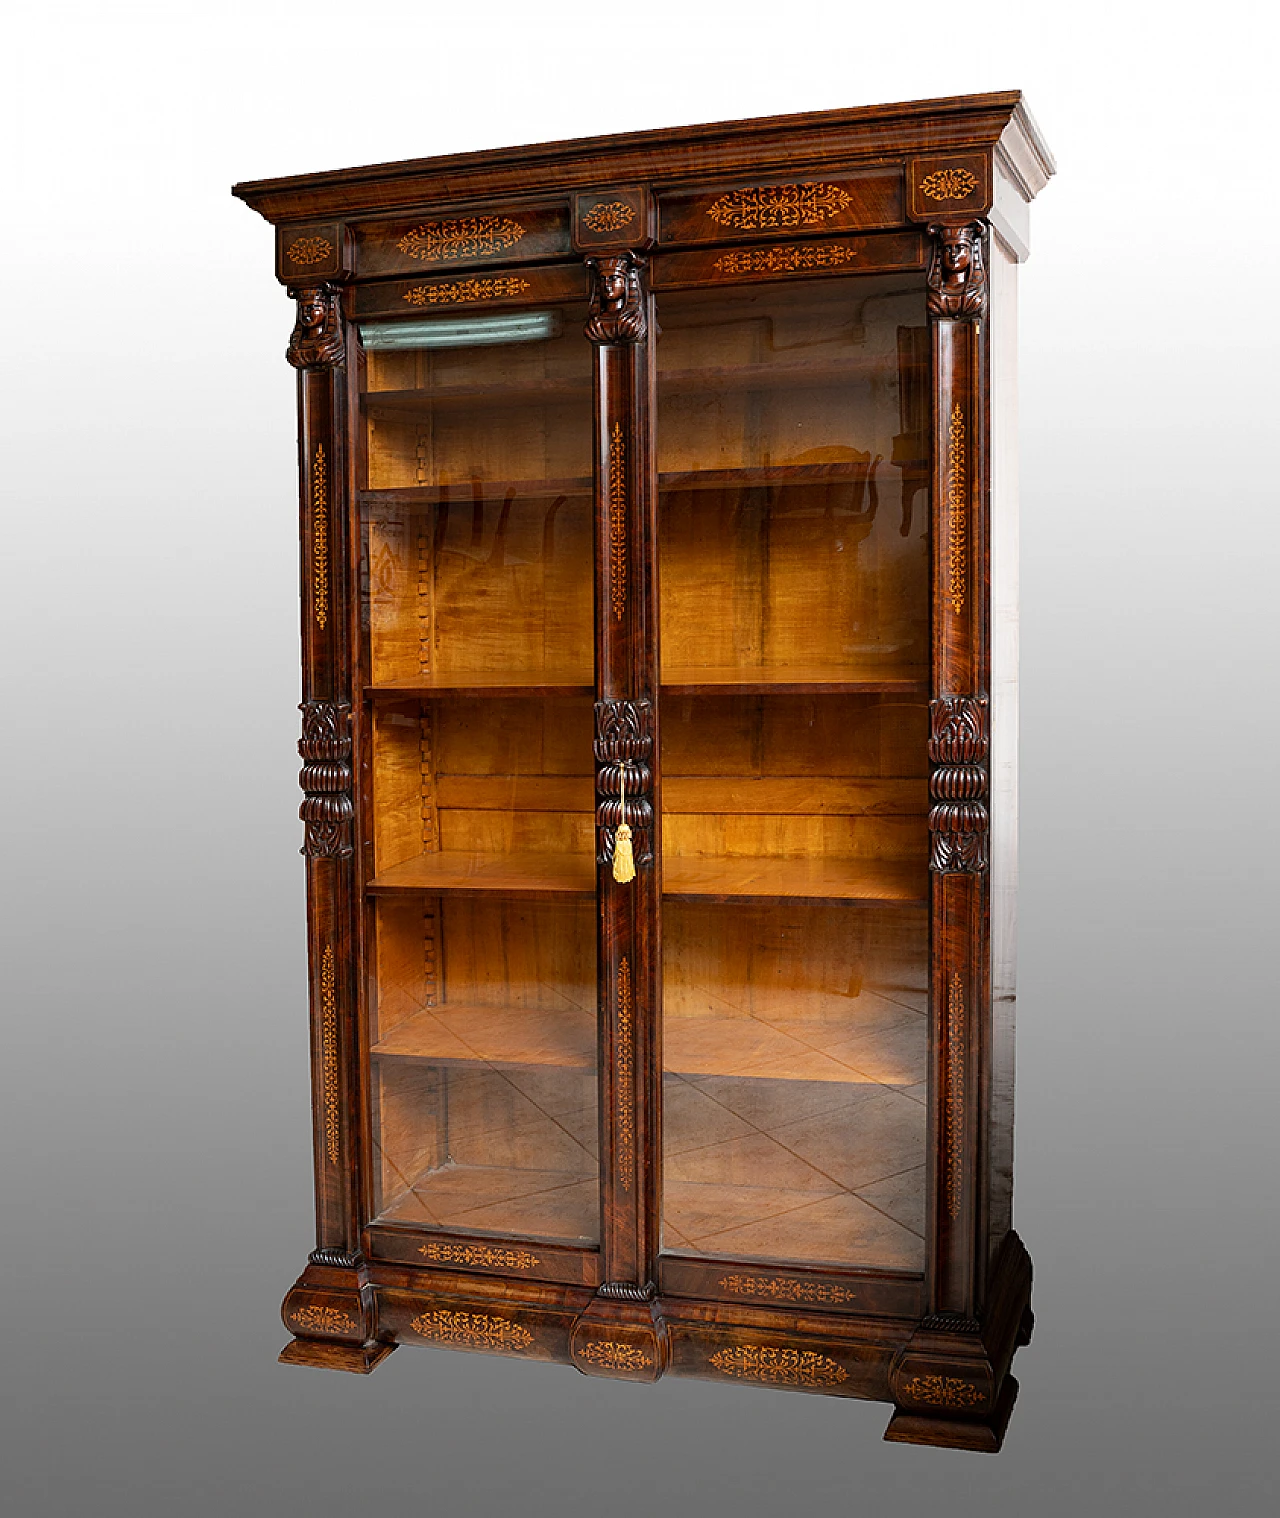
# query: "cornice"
x,y
771,144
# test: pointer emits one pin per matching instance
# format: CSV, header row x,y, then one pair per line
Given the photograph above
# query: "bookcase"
x,y
659,609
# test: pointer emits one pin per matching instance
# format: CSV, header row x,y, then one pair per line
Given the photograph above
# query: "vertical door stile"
x,y
958,750
332,1300
618,1333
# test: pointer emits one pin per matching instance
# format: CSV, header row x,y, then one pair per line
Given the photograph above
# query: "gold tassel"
x,y
624,863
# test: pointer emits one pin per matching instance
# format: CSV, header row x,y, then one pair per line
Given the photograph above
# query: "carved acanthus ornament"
x,y
316,341
325,778
617,301
958,821
957,280
624,736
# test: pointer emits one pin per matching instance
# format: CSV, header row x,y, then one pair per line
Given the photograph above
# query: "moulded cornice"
x,y
680,155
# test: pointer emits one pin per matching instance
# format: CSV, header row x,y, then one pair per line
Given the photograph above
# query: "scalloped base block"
x,y
326,1355
956,1433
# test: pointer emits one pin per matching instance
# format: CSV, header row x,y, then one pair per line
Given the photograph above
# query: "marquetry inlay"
x,y
459,290
786,258
308,250
626,1061
779,205
611,216
478,1254
785,1289
957,536
467,237
618,521
948,184
322,1320
778,1367
474,1329
955,1091
320,536
329,1053
943,1391
615,1356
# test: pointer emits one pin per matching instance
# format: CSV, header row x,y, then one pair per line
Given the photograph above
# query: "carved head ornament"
x,y
316,341
617,304
957,272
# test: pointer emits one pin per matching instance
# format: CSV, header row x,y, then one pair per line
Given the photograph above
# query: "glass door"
x,y
793,452
477,604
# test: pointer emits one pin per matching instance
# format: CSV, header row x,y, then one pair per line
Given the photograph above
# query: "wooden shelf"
x,y
807,680
465,492
794,680
565,1037
546,876
766,476
536,391
485,683
851,882
771,376
704,1043
411,404
771,476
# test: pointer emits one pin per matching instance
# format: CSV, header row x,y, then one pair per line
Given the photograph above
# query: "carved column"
x,y
330,1309
958,745
618,1334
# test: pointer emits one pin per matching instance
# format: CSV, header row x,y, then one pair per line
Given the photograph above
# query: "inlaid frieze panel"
x,y
487,289
782,208
791,259
437,242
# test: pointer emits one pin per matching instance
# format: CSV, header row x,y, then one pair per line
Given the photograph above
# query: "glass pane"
x,y
478,622
793,455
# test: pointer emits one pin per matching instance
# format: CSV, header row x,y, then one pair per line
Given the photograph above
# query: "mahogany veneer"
x,y
659,570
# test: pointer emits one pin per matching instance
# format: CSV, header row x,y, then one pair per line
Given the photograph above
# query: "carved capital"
x,y
958,821
325,778
957,278
316,341
624,781
617,300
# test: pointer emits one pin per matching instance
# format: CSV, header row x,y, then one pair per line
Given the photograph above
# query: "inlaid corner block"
x,y
497,1068
614,219
957,184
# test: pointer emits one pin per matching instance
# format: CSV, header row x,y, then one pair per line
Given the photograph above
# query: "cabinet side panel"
x,y
1004,732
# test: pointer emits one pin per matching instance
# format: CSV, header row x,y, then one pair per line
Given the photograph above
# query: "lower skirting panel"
x,y
947,1376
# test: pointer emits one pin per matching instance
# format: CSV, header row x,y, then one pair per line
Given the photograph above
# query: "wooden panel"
x,y
957,184
613,220
461,238
877,253
782,208
311,251
454,1252
791,1290
489,288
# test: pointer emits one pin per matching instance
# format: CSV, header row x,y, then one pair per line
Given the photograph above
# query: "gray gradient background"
x,y
154,1113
